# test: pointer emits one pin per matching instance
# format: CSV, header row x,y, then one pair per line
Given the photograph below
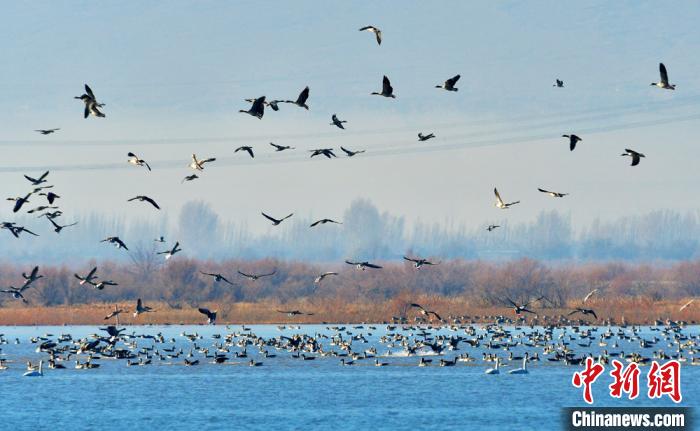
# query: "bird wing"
x,y
573,312
272,219
498,196
89,92
204,311
588,296
371,265
303,96
351,263
315,223
378,34
452,81
416,306
130,154
151,201
244,274
594,315
409,259
285,218
386,86
664,74
543,190
269,274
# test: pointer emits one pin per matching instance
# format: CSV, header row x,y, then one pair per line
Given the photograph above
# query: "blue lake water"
x,y
290,393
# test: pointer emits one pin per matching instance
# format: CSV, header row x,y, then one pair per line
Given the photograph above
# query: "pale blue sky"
x,y
174,74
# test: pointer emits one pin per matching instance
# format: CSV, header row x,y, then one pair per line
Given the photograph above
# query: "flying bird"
x,y
292,313
499,202
363,265
37,181
375,30
418,262
281,147
217,277
276,222
142,198
100,285
47,131
664,79
198,165
553,194
636,157
189,178
320,278
50,196
136,161
91,104
422,137
16,292
686,305
170,253
573,140
116,242
247,148
301,99
584,311
351,153
140,308
559,84
57,227
257,109
425,312
32,276
89,278
328,152
324,221
211,315
387,89
588,295
19,202
520,308
337,122
255,277
449,85
492,227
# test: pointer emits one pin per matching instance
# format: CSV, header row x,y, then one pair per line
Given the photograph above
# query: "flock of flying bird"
x,y
92,107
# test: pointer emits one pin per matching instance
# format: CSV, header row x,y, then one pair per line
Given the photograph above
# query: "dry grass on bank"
x,y
629,310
